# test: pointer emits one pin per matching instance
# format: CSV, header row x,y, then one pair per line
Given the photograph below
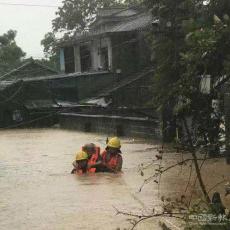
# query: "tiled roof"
x,y
104,12
125,13
112,15
137,22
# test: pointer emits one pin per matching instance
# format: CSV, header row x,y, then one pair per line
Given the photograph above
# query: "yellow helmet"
x,y
114,143
81,156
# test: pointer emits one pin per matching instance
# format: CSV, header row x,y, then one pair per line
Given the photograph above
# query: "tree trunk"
x,y
198,173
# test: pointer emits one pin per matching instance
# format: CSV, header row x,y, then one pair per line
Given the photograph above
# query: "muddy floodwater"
x,y
37,190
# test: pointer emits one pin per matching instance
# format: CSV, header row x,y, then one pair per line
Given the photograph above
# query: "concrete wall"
x,y
77,59
111,125
62,60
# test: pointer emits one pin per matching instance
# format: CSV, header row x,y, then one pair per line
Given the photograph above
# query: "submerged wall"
x,y
113,125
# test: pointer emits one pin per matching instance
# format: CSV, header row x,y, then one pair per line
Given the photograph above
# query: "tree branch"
x,y
159,171
203,188
145,217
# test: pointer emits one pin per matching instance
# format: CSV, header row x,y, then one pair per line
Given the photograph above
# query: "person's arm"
x,y
119,164
109,169
99,163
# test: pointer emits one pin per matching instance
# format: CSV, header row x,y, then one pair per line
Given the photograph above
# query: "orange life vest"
x,y
113,161
93,159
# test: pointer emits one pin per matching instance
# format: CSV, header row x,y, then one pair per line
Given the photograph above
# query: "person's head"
x,y
89,149
82,160
113,145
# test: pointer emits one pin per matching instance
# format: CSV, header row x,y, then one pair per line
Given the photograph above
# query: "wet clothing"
x,y
80,167
95,158
113,161
109,161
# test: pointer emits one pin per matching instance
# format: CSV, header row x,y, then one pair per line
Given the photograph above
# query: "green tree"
x,y
50,49
77,15
190,39
10,54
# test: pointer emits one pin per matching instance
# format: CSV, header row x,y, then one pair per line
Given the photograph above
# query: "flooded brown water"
x,y
37,190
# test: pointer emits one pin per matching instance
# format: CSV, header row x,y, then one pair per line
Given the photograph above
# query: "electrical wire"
x,y
28,5
24,75
13,95
31,121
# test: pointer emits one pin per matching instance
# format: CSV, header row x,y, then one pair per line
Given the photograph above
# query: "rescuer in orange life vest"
x,y
94,158
111,157
81,163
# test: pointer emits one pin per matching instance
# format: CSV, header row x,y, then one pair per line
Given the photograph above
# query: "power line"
x,y
28,5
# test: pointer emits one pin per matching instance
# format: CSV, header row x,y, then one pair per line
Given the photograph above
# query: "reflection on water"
x,y
38,191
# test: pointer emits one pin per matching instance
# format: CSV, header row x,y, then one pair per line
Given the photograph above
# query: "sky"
x,y
31,22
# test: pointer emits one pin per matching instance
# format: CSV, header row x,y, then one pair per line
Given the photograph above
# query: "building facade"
x,y
115,42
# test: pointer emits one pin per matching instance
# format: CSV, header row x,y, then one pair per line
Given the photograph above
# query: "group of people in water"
x,y
91,160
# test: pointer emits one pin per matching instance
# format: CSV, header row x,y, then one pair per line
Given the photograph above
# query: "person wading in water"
x,y
94,158
81,163
111,157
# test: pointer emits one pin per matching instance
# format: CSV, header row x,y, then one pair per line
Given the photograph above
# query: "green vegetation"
x,y
191,40
10,54
51,51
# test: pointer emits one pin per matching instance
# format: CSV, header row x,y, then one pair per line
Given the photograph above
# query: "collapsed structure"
x,y
106,75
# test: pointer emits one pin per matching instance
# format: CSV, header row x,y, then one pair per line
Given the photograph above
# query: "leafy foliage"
x,y
10,53
76,15
190,41
50,49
